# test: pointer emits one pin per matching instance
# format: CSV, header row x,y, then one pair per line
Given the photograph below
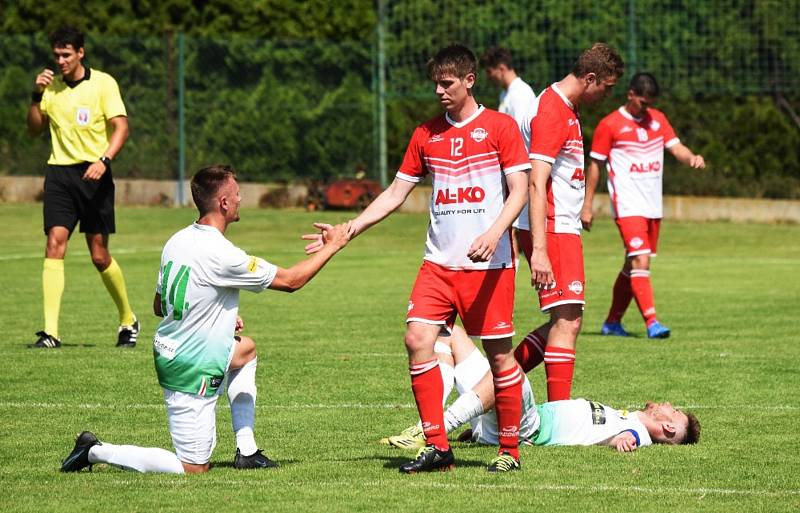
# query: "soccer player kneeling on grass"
x,y
195,346
568,422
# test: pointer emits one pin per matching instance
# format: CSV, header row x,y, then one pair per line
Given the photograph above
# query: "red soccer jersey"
x,y
468,162
634,150
555,135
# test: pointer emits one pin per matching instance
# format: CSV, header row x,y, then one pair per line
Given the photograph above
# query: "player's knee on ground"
x,y
192,468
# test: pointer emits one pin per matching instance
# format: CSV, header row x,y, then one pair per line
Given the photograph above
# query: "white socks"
x,y
471,371
467,407
448,379
140,459
242,398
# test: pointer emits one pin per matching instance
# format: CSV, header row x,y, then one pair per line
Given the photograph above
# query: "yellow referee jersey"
x,y
79,115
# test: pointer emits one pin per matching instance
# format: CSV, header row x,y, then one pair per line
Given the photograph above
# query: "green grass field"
x,y
333,380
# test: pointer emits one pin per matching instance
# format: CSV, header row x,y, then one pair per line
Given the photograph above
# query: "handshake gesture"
x,y
335,237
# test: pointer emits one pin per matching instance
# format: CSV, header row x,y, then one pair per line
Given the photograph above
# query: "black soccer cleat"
x,y
126,335
46,341
255,460
430,459
78,459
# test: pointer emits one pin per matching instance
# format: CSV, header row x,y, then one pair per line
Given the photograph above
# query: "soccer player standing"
x,y
79,106
518,101
556,197
631,141
478,163
195,346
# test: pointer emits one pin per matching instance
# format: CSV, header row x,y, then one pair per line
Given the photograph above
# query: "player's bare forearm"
x,y
295,277
37,121
387,202
119,135
483,248
538,203
686,157
592,179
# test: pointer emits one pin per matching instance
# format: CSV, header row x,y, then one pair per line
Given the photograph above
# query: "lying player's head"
x,y
598,68
497,61
453,71
214,190
643,92
67,45
671,426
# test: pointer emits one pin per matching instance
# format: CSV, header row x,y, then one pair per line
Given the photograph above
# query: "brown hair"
x,y
456,60
495,56
206,184
692,430
600,59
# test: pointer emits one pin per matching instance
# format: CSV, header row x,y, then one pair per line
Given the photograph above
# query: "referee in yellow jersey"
x,y
88,126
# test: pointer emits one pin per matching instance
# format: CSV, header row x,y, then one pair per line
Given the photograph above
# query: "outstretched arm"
x,y
332,239
686,157
387,202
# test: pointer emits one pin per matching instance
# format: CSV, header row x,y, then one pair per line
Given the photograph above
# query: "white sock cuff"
x,y
442,348
471,371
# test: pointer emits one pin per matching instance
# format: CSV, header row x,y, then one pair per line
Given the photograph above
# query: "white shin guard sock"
x,y
467,407
448,380
140,459
471,371
242,398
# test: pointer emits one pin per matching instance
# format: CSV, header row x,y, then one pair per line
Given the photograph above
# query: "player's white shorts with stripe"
x,y
193,425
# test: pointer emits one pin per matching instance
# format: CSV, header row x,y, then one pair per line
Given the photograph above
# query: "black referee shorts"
x,y
68,198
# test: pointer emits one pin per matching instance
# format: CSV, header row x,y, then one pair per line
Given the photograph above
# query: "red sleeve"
x,y
512,153
548,134
413,168
602,140
670,138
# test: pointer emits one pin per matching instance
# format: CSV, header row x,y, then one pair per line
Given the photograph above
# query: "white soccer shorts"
x,y
192,424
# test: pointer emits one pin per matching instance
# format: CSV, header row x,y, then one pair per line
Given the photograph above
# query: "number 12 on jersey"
x,y
177,291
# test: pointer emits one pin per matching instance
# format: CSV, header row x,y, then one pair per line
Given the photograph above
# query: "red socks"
x,y
427,386
559,365
621,298
643,292
530,352
508,406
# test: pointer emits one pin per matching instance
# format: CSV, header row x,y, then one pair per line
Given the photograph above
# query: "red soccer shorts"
x,y
483,299
566,258
639,234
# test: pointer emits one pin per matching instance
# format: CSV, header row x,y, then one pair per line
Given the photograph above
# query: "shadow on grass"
x,y
394,462
63,346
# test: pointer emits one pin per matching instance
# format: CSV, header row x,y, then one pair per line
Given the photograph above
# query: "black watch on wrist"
x,y
106,161
36,97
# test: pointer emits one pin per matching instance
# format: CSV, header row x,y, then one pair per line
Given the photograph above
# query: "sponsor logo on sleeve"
x,y
479,134
252,265
655,125
598,413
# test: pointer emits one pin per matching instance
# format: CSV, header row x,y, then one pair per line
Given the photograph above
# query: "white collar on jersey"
x,y
562,95
466,121
628,115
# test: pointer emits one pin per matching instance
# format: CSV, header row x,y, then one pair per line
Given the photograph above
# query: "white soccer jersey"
x,y
199,280
582,422
469,161
634,149
554,136
519,102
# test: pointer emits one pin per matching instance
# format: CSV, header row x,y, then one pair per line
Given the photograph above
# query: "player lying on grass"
x,y
569,422
194,348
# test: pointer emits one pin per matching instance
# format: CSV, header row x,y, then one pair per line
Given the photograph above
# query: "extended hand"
x,y
337,236
625,443
95,171
316,238
482,248
697,162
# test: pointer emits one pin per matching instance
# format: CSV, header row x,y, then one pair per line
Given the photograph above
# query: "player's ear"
x,y
469,80
669,429
590,78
